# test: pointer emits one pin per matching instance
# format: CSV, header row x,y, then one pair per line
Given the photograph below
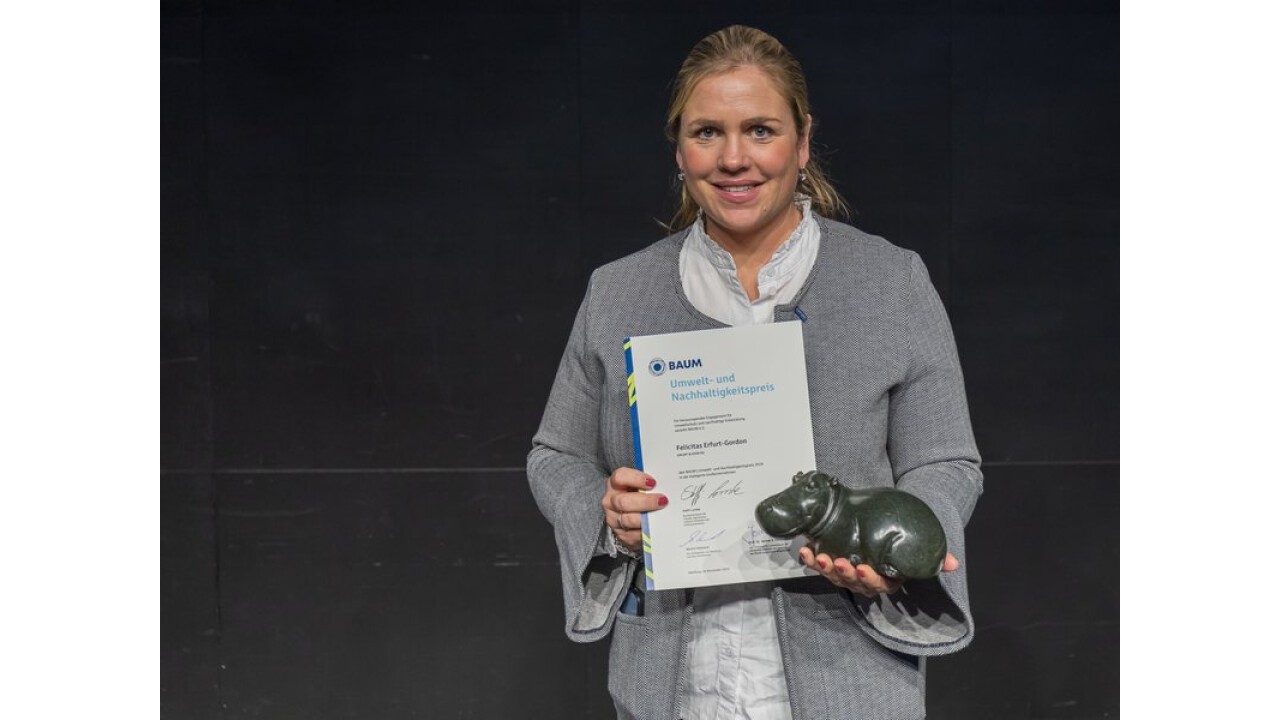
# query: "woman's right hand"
x,y
623,502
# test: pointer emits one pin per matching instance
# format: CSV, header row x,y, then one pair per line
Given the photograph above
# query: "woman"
x,y
754,243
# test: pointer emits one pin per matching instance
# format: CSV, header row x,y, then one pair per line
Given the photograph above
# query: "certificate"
x,y
721,419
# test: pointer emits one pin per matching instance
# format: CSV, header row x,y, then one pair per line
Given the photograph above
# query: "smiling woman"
x,y
740,153
753,241
739,119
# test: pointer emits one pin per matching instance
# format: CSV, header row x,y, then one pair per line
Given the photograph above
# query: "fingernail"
x,y
650,482
860,573
822,564
662,501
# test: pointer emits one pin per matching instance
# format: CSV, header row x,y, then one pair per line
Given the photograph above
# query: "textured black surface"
x,y
377,223
189,598
395,596
1035,280
389,198
184,276
1044,579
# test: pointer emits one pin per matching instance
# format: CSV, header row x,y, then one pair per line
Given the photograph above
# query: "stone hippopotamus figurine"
x,y
891,530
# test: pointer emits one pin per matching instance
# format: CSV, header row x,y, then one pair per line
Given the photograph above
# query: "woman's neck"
x,y
750,253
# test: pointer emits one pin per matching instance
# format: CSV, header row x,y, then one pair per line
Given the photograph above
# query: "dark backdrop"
x,y
377,224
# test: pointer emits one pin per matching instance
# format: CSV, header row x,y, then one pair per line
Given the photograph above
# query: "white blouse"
x,y
735,661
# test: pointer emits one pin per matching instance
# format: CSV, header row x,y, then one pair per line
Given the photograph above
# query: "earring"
x,y
680,175
804,177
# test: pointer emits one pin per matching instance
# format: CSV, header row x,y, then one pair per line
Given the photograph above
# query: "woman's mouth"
x,y
738,193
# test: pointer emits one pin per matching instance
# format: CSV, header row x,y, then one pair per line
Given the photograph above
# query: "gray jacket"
x,y
888,406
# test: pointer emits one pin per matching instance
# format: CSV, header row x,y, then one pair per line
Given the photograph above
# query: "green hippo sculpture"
x,y
891,530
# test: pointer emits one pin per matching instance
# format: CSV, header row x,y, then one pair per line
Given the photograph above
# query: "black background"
x,y
377,222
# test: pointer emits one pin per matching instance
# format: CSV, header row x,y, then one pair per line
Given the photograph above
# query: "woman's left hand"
x,y
862,579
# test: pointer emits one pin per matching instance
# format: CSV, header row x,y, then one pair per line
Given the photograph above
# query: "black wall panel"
x,y
394,203
1036,276
1044,558
184,278
378,221
190,635
395,595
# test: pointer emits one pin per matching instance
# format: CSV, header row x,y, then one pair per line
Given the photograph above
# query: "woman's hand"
x,y
623,502
862,579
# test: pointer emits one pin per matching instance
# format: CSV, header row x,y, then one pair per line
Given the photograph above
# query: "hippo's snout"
x,y
795,509
778,517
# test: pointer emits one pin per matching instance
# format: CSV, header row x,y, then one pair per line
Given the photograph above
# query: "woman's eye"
x,y
760,131
705,133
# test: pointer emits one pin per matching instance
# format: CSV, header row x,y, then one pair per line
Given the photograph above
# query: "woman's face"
x,y
741,153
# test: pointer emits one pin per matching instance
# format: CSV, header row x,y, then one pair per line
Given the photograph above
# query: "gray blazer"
x,y
888,407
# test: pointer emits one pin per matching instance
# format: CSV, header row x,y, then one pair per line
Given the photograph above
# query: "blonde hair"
x,y
740,46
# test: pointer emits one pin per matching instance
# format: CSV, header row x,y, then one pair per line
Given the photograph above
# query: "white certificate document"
x,y
721,420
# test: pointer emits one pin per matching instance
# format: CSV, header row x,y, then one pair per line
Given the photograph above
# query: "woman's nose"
x,y
733,156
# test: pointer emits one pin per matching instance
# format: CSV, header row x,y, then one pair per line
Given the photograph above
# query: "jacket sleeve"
x,y
933,455
567,476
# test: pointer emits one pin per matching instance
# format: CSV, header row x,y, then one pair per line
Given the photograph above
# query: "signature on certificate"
x,y
693,493
701,536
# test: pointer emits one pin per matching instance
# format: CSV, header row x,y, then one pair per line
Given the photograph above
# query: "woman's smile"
x,y
738,192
